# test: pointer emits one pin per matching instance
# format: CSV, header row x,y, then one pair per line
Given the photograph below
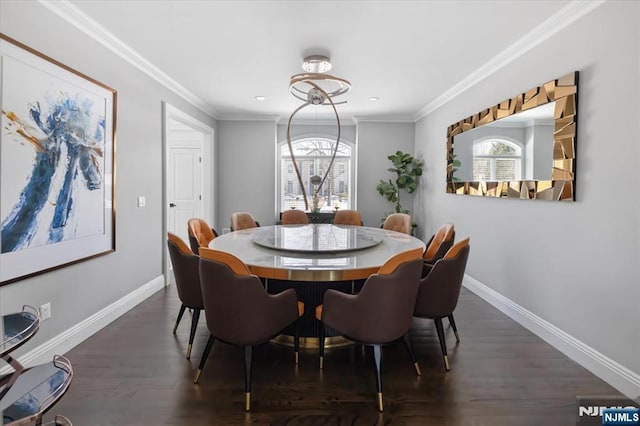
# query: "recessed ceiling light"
x,y
260,98
374,98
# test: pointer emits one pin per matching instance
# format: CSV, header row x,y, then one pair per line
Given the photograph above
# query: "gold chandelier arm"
x,y
293,157
344,86
335,150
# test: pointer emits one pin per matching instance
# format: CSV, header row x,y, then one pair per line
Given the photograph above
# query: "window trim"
x,y
492,163
351,182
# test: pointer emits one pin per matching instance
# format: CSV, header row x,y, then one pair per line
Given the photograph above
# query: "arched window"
x,y
313,156
497,160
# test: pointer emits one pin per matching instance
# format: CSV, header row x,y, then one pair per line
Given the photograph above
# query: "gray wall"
x,y
246,171
78,291
249,186
575,265
376,141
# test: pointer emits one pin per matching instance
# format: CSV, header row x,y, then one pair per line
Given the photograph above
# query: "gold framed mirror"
x,y
523,147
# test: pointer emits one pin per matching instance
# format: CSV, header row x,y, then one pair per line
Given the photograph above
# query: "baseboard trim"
x,y
612,372
86,328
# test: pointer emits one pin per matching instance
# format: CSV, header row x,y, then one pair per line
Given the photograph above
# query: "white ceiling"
x,y
407,53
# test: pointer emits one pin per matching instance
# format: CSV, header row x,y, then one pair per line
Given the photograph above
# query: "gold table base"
x,y
312,342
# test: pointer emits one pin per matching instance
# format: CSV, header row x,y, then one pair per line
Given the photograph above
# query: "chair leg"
x,y
194,326
443,343
247,377
377,355
407,344
205,355
180,314
453,325
296,338
321,345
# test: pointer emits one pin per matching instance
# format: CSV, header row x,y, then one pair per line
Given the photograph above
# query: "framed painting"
x,y
57,181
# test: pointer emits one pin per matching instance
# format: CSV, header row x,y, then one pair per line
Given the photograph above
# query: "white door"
x,y
188,177
184,188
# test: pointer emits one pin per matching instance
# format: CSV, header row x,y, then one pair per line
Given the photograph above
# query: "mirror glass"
x,y
517,147
523,147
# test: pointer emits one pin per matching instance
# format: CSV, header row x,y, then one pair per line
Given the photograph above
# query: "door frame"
x,y
170,112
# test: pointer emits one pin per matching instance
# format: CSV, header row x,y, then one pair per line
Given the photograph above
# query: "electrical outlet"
x,y
142,201
226,230
45,311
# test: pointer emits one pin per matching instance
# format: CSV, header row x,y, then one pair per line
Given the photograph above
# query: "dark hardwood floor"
x,y
134,372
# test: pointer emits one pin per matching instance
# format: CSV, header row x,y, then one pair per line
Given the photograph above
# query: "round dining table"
x,y
313,258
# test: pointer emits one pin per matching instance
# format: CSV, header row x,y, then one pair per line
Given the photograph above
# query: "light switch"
x,y
142,201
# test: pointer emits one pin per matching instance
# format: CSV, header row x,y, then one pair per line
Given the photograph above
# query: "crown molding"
x,y
249,117
383,119
346,121
83,22
572,12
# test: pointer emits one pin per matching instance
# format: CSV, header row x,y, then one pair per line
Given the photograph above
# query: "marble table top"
x,y
343,253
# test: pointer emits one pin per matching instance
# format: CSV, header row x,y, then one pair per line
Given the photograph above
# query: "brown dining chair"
x,y
185,270
200,233
239,310
242,220
399,222
439,291
380,313
347,217
294,217
438,245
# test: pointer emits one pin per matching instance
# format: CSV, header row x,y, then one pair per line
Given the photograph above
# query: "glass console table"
x,y
319,217
26,394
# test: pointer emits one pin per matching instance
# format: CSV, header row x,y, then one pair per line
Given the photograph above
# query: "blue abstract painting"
x,y
56,164
67,139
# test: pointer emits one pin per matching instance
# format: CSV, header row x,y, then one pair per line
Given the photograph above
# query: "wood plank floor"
x,y
134,372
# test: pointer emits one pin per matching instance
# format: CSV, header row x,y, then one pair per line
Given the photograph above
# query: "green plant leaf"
x,y
407,169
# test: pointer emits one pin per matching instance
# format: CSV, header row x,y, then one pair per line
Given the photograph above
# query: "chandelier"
x,y
316,87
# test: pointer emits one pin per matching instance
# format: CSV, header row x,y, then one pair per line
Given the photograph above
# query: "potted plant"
x,y
407,169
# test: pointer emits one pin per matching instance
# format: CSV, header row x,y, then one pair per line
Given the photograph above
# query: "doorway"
x,y
188,176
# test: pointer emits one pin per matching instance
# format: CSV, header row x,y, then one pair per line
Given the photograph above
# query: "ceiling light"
x,y
374,98
260,98
316,88
316,63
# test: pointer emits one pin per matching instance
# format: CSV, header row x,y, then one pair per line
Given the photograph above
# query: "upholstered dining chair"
x,y
185,270
200,233
380,313
239,310
294,217
347,217
400,222
439,291
242,220
437,246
